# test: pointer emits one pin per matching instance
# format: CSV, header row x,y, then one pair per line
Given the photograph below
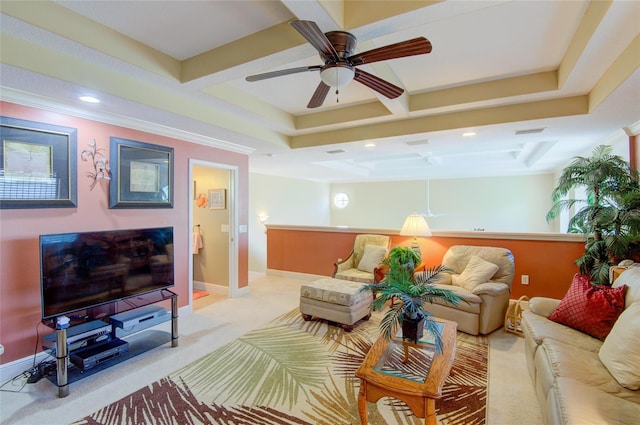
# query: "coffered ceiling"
x,y
538,82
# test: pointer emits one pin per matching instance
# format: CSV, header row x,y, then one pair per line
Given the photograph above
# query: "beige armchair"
x,y
362,263
482,277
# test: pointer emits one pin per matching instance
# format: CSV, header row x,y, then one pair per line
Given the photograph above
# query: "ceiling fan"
x,y
336,50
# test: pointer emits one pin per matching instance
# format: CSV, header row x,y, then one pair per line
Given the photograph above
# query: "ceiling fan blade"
x,y
315,36
415,46
272,74
378,84
319,95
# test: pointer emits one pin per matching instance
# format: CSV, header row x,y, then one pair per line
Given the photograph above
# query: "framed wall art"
x,y
38,165
217,199
142,175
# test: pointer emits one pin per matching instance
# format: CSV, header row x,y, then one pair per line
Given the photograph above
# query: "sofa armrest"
x,y
379,273
543,306
343,265
490,288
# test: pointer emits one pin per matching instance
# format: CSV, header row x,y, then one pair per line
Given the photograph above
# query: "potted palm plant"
x,y
609,217
409,292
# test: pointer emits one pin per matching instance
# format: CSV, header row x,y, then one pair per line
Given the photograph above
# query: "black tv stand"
x,y
108,351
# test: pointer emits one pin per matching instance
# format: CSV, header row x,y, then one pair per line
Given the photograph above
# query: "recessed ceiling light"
x,y
89,99
469,134
370,145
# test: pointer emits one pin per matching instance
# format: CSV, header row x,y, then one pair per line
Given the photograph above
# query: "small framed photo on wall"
x,y
217,199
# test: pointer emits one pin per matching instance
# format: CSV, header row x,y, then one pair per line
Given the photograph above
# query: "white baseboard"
x,y
12,369
15,368
294,275
211,287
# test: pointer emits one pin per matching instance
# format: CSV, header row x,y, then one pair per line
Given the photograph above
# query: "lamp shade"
x,y
337,75
415,225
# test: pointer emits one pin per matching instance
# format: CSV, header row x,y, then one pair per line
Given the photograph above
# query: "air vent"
x,y
530,131
336,151
418,143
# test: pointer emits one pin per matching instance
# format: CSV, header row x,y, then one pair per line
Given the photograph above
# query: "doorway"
x,y
213,255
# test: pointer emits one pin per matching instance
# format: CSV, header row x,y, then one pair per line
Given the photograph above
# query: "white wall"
x,y
285,201
495,204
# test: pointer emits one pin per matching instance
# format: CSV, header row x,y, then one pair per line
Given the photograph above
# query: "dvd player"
x,y
129,319
79,335
94,355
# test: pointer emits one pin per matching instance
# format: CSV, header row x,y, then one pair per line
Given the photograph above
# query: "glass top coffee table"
x,y
409,372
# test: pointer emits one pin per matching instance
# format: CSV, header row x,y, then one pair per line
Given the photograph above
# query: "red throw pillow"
x,y
590,309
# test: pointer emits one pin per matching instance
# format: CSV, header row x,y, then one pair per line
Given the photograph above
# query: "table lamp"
x,y
415,225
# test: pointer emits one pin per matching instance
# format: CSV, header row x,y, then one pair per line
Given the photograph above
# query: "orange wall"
x,y
549,264
19,229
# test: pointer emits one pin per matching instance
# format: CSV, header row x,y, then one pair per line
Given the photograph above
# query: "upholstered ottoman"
x,y
335,300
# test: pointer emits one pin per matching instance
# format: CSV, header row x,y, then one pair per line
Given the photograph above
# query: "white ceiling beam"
x,y
588,26
398,106
329,15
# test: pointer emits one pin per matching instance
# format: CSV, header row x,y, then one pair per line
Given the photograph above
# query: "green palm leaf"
x,y
270,366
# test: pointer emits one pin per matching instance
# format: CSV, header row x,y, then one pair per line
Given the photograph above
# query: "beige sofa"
x,y
482,277
572,383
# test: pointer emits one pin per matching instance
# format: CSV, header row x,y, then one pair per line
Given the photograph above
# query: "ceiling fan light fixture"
x,y
337,75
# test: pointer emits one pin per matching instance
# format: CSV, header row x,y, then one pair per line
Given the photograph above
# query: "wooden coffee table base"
x,y
422,407
420,395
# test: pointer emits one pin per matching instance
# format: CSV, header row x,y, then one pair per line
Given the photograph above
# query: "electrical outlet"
x,y
524,279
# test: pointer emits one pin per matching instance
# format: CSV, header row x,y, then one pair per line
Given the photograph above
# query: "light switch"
x,y
243,228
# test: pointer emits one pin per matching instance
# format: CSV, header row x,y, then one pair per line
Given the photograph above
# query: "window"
x,y
341,200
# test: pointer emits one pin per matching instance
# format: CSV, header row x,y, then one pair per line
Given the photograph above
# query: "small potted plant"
x,y
403,255
409,292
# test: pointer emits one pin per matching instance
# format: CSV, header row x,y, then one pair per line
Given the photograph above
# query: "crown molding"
x,y
41,102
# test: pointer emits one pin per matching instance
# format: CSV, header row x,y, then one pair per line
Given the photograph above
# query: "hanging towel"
x,y
197,242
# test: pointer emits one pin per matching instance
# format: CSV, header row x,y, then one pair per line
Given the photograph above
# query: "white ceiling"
x,y
491,61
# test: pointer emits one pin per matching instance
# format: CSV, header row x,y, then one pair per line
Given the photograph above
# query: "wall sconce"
x,y
262,218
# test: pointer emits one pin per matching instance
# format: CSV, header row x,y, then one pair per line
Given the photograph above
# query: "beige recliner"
x,y
362,264
482,277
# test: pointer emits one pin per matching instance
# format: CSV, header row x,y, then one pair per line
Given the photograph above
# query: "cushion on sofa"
x,y
580,403
557,358
588,308
620,352
631,279
490,288
540,328
476,271
470,302
371,258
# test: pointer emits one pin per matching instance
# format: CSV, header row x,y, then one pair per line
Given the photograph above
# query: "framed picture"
x,y
142,175
217,199
38,165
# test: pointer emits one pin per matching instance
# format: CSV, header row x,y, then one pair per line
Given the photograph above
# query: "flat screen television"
x,y
79,271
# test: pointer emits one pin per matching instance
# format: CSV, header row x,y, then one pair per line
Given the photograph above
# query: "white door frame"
x,y
233,228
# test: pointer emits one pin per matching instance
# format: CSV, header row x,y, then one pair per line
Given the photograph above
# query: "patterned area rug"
x,y
294,372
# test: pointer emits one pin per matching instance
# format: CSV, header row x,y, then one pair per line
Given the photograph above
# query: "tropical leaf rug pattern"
x,y
294,372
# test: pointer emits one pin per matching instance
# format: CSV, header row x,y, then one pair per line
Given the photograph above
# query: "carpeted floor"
x,y
294,372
